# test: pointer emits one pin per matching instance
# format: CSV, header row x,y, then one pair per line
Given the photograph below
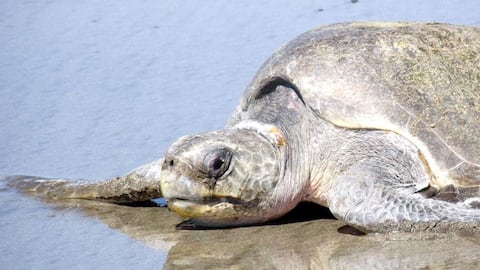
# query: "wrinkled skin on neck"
x,y
242,174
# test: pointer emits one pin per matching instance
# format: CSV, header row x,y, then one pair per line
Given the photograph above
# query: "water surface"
x,y
92,89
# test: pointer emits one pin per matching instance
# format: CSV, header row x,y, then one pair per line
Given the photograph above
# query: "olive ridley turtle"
x,y
379,122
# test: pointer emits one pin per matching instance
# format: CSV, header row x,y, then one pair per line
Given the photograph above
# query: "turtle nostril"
x,y
168,163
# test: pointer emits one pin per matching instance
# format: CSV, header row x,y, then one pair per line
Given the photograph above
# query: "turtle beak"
x,y
196,201
203,209
176,186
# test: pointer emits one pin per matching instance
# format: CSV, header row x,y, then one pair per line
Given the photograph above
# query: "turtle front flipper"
x,y
375,201
141,184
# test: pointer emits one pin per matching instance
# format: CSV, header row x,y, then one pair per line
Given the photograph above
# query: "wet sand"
x,y
315,243
91,90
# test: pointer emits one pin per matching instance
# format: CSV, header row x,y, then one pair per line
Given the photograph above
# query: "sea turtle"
x,y
379,122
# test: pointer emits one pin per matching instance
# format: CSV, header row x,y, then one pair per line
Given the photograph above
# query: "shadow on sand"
x,y
300,241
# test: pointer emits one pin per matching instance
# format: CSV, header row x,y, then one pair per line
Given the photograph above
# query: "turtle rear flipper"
x,y
469,196
142,184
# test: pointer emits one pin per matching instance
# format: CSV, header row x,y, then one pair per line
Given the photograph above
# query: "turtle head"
x,y
226,178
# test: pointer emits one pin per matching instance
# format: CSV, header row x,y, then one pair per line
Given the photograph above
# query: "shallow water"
x,y
94,89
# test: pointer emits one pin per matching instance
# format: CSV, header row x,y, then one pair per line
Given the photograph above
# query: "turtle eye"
x,y
216,163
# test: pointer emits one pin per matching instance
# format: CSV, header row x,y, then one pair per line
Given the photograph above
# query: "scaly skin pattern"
x,y
141,184
257,184
381,186
376,121
372,179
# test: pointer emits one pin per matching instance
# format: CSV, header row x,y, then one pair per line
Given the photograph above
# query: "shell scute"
x,y
420,80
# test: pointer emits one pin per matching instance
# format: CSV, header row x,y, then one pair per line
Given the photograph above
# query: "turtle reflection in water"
x,y
379,122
